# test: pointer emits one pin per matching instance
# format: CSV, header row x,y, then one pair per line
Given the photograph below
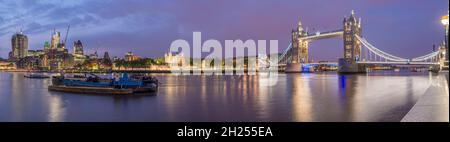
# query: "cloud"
x,y
147,27
37,17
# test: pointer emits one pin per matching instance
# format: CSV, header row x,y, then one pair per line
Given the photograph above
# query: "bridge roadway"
x,y
399,63
374,63
327,63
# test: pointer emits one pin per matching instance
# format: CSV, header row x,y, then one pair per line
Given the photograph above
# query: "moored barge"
x,y
119,85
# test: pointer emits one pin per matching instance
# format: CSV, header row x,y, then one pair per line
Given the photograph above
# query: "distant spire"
x,y
359,23
352,17
300,27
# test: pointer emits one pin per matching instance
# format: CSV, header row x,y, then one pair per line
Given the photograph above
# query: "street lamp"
x,y
444,21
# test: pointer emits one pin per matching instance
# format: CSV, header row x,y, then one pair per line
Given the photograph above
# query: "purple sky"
x,y
406,28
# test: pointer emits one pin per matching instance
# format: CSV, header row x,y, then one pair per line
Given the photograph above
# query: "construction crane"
x,y
67,33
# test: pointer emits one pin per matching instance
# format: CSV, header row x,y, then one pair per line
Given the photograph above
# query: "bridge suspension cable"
x,y
426,57
378,52
372,53
284,54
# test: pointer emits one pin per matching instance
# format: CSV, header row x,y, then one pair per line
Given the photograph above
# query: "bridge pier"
x,y
349,66
435,68
293,68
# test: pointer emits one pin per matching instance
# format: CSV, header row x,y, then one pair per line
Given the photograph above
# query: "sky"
x,y
405,28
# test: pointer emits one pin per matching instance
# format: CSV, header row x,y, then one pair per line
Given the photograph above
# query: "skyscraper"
x,y
19,44
56,37
78,48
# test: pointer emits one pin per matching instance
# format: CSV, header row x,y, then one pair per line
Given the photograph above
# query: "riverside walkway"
x,y
433,105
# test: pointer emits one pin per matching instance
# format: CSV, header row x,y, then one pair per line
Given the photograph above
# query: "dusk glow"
x,y
148,27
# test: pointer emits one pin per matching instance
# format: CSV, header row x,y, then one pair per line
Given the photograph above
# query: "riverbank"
x,y
117,71
140,71
433,106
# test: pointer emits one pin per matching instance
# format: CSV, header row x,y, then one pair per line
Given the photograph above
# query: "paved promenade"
x,y
433,105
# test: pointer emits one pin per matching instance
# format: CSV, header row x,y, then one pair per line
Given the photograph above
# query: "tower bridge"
x,y
359,54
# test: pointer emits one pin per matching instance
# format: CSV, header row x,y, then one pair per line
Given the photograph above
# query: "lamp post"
x,y
444,21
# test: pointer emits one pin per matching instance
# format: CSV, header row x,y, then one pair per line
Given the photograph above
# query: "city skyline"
x,y
147,28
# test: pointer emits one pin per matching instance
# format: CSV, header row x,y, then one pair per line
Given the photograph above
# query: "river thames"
x,y
377,96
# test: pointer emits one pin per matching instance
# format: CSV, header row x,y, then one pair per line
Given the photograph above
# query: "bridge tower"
x,y
300,47
299,52
352,47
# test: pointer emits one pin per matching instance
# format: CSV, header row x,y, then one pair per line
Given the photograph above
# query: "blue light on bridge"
x,y
306,67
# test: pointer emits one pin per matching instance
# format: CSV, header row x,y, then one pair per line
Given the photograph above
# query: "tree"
x,y
159,61
148,61
120,63
106,62
85,64
211,64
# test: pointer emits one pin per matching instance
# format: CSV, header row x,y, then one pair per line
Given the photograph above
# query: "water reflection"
x,y
294,97
17,97
301,97
349,96
57,109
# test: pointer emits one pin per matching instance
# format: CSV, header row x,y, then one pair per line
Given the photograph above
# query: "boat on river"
x,y
37,76
119,85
